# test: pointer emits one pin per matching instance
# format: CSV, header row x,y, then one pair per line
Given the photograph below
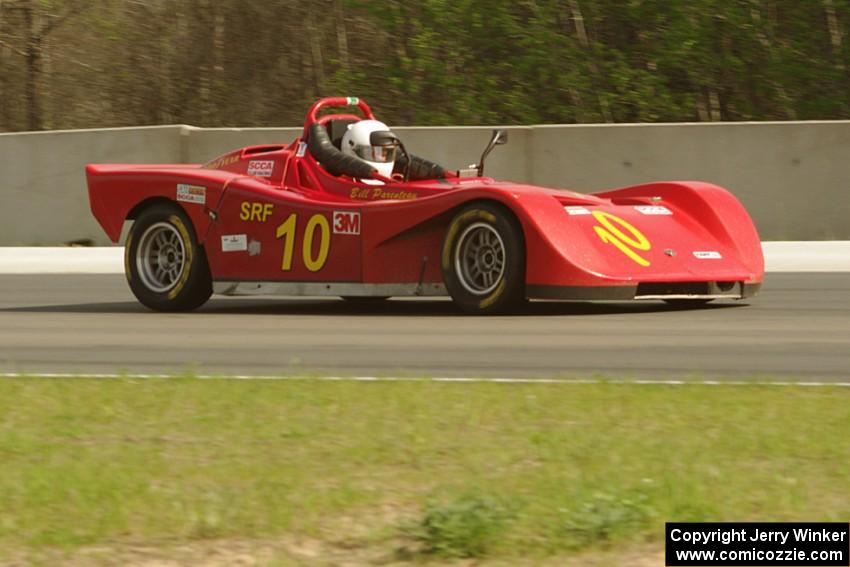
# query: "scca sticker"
x,y
261,168
619,233
192,194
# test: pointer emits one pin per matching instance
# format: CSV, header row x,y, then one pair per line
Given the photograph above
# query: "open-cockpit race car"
x,y
310,219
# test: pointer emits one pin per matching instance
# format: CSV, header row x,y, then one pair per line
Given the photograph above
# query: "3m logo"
x,y
346,222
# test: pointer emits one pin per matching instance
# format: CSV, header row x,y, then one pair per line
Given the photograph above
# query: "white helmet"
x,y
357,143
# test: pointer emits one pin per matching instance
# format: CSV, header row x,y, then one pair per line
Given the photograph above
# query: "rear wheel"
x,y
166,268
483,260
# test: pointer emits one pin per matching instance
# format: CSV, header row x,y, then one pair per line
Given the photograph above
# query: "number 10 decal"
x,y
287,230
628,244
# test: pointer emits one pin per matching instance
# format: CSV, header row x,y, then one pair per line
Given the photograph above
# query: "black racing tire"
x,y
165,266
681,302
483,259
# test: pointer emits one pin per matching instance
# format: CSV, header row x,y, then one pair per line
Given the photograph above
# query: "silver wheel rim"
x,y
480,258
160,257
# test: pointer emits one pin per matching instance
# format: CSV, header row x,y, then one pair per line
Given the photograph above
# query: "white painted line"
x,y
62,260
444,379
814,256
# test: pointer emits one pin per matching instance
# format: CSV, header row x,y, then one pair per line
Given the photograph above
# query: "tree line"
x,y
103,63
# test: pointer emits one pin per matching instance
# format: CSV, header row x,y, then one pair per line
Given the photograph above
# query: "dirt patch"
x,y
305,551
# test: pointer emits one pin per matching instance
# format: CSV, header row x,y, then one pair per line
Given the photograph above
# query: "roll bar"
x,y
337,101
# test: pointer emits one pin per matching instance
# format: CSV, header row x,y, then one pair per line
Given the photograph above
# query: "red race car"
x,y
332,214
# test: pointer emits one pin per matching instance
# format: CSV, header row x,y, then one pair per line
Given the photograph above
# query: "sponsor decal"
x,y
653,210
254,248
222,162
192,194
261,168
255,212
576,211
346,222
708,255
623,236
352,100
302,149
378,193
234,243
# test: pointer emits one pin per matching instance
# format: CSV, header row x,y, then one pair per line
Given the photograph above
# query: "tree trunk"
x,y
767,44
33,59
834,30
581,32
315,50
837,45
5,114
342,37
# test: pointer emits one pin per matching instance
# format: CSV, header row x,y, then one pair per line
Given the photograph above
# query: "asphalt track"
x,y
797,329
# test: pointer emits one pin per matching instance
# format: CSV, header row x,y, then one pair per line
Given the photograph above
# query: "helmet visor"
x,y
376,154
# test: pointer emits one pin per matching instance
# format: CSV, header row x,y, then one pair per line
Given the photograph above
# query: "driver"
x,y
357,143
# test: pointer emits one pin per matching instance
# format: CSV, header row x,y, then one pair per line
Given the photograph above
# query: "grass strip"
x,y
407,471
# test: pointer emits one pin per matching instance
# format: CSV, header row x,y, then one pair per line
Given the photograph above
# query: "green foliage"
x,y
426,62
605,517
466,527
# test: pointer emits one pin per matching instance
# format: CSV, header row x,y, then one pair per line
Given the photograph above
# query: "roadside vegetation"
x,y
103,63
324,473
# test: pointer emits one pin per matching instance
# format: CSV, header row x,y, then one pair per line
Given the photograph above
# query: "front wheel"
x,y
483,260
166,268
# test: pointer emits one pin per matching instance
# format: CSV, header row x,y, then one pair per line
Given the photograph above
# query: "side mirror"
x,y
499,138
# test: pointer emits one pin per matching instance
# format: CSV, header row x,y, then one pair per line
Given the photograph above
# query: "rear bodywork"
x,y
272,220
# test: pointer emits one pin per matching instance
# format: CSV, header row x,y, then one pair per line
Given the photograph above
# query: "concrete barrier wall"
x,y
43,183
203,144
793,177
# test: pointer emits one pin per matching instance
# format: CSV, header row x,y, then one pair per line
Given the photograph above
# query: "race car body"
x,y
305,219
